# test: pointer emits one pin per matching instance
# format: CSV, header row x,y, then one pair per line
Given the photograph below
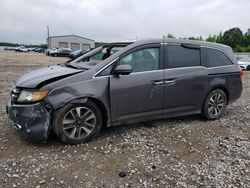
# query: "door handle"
x,y
157,83
163,82
169,81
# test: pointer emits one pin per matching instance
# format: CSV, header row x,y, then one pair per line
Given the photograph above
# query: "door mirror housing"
x,y
122,70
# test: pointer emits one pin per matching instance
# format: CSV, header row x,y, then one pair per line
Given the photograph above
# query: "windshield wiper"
x,y
76,67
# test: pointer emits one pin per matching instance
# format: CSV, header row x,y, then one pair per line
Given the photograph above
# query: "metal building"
x,y
73,42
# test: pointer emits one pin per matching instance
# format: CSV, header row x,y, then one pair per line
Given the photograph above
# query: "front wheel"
x,y
214,105
77,123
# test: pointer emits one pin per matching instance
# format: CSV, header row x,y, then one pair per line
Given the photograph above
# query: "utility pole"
x,y
48,37
48,30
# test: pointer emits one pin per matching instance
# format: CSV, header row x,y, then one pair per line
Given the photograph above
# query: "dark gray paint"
x,y
135,97
185,85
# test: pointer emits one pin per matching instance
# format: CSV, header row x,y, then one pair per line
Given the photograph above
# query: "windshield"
x,y
93,57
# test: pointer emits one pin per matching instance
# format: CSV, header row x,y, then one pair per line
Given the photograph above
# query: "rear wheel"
x,y
77,123
215,104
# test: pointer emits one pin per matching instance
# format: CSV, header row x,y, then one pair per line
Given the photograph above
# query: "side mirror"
x,y
122,70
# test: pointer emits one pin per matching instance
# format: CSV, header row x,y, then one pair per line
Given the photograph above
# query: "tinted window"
x,y
179,56
214,58
142,60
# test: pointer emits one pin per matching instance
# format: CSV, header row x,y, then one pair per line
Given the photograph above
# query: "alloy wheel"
x,y
79,122
216,104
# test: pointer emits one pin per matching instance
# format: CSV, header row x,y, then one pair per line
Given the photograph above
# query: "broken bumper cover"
x,y
33,120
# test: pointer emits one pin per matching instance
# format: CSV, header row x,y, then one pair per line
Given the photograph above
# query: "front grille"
x,y
14,94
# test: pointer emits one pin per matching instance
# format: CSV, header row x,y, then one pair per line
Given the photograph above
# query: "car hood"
x,y
38,78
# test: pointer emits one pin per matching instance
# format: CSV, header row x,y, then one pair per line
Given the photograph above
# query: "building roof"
x,y
70,36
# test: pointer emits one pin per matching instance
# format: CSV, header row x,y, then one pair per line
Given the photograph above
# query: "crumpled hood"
x,y
47,74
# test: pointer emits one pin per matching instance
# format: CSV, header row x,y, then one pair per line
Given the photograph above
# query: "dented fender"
x,y
76,90
62,94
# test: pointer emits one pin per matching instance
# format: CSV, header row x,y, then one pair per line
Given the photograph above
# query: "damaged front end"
x,y
32,119
27,108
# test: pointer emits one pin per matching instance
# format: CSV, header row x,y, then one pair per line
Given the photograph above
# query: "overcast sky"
x,y
25,21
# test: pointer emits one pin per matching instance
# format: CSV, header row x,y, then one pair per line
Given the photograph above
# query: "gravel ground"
x,y
177,152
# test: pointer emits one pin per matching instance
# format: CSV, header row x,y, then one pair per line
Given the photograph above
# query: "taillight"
x,y
241,73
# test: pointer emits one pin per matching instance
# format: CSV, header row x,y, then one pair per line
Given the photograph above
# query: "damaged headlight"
x,y
31,96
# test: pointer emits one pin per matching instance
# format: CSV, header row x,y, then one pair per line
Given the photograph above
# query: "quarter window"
x,y
214,58
106,71
142,60
179,56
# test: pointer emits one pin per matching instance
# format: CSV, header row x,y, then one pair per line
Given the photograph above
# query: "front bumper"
x,y
32,120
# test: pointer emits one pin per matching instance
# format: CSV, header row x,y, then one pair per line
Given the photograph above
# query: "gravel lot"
x,y
178,152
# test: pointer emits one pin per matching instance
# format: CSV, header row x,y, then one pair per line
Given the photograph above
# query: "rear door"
x,y
138,95
185,79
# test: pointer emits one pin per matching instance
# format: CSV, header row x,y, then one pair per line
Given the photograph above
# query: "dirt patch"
x,y
177,152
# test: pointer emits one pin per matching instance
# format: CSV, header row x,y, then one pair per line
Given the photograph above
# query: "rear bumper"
x,y
32,120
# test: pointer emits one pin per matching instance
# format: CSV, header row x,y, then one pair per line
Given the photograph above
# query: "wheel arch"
x,y
223,88
103,109
100,104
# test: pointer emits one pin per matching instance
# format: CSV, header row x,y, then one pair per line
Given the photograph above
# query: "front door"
x,y
138,95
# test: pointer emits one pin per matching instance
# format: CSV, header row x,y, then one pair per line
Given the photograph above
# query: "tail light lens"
x,y
241,73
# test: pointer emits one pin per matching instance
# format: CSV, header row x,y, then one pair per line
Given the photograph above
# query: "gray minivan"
x,y
146,80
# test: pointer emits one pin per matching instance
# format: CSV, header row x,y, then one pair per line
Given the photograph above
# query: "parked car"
x,y
60,52
47,51
31,49
39,50
21,49
243,61
244,65
147,80
77,53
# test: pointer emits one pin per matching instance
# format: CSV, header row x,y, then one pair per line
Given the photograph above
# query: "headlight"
x,y
31,96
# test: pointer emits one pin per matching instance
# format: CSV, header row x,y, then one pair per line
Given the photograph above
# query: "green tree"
x,y
219,38
211,38
200,38
246,39
233,37
196,38
239,49
170,36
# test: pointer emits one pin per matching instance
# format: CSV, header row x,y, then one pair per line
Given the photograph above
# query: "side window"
x,y
178,56
214,58
146,59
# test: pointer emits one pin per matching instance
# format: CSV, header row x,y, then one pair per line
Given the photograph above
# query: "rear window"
x,y
179,56
214,58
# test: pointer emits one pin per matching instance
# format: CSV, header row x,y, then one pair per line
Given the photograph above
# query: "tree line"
x,y
234,37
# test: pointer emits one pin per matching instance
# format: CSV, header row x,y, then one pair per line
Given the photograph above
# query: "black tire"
x,y
55,55
248,68
214,110
63,115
